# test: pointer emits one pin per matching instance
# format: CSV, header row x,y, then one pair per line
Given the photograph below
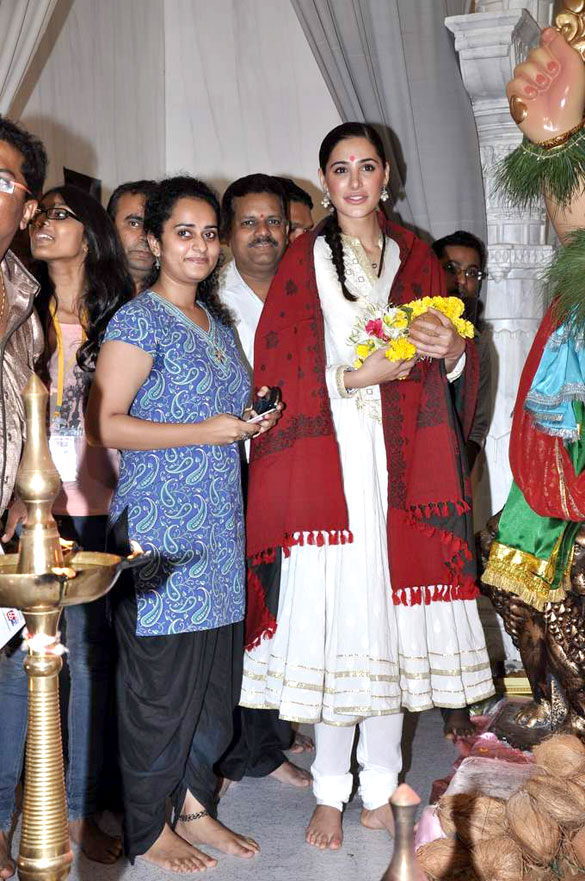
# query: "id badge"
x,y
11,621
64,452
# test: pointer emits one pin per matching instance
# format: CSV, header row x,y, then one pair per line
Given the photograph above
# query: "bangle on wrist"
x,y
561,139
344,392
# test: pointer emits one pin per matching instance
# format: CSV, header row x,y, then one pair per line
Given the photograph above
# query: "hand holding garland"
x,y
377,369
435,336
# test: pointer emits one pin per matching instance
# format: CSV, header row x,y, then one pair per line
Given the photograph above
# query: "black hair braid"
x,y
332,234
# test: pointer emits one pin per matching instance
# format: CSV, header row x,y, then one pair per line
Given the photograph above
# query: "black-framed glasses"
x,y
55,212
471,272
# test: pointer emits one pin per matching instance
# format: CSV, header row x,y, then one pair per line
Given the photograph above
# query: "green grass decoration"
x,y
529,172
565,282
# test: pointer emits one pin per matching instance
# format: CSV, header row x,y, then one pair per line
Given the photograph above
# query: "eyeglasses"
x,y
8,186
471,272
56,212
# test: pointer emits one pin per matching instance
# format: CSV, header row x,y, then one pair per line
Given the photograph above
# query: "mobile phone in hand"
x,y
262,416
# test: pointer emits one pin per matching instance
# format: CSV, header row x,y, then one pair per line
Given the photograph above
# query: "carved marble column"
x,y
490,42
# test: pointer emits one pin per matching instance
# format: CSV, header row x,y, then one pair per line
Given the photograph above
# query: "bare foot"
x,y
324,829
206,830
94,843
291,774
458,724
302,744
379,818
171,853
7,865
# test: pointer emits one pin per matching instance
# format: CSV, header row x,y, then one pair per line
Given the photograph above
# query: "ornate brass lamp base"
x,y
40,581
44,843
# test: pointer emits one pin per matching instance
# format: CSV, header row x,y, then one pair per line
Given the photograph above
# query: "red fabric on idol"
x,y
295,478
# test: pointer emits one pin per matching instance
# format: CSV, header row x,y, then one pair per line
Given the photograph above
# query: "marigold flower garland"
x,y
387,327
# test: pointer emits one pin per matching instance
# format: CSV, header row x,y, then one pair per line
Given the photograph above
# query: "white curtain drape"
x,y
392,63
22,24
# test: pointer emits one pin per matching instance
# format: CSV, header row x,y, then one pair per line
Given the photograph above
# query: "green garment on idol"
x,y
532,555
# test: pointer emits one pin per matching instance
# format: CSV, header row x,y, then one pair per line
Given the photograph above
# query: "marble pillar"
x,y
490,42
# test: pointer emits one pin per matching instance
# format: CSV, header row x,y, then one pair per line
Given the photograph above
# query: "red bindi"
x,y
352,158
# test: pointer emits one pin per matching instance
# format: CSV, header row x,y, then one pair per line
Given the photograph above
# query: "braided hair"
x,y
331,228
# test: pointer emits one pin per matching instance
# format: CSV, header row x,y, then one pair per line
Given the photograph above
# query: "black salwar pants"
x,y
257,746
176,696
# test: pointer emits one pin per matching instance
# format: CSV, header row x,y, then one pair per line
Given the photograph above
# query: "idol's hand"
x,y
435,336
377,369
547,94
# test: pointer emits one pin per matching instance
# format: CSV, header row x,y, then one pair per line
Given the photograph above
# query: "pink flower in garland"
x,y
375,327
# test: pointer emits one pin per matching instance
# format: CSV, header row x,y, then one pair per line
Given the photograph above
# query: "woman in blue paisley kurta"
x,y
169,393
184,504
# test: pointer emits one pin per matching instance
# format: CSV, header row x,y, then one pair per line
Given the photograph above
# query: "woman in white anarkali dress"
x,y
343,653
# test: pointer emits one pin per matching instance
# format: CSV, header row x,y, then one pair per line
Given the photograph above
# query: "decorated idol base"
x,y
516,723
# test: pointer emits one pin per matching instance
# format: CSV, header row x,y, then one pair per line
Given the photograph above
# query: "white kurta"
x,y
342,650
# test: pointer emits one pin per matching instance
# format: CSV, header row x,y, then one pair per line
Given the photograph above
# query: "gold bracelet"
x,y
561,139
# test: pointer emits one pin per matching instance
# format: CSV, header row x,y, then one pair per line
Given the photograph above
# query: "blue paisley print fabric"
x,y
184,504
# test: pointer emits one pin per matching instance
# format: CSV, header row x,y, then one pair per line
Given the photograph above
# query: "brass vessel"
x,y
40,580
404,865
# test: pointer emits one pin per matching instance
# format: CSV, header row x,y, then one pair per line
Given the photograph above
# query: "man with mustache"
x,y
463,257
126,208
254,223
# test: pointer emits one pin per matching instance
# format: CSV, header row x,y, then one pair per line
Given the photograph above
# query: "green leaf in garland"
x,y
565,281
529,172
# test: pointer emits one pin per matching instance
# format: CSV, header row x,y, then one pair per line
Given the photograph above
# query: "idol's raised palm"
x,y
547,94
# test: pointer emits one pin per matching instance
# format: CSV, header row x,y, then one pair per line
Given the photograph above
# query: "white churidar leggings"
x,y
379,755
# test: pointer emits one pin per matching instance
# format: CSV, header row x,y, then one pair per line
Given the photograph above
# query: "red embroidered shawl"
x,y
295,478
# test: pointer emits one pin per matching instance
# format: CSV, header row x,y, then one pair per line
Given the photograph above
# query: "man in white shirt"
x,y
255,226
254,214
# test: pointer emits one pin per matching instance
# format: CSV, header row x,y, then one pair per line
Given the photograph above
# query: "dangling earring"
x,y
384,195
326,201
156,263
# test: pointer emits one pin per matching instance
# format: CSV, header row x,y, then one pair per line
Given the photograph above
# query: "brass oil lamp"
x,y
404,865
40,580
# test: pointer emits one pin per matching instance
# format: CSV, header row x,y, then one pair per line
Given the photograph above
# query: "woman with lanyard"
x,y
83,281
169,392
375,608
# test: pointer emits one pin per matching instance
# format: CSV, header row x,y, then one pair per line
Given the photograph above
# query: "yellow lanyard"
x,y
62,368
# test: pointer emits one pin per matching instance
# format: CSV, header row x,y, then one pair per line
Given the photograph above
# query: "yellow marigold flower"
x,y
401,320
400,350
464,328
362,350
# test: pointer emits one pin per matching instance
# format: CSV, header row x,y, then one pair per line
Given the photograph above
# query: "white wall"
x,y
243,92
95,93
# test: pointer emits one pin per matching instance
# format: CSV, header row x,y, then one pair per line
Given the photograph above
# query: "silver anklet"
x,y
188,818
